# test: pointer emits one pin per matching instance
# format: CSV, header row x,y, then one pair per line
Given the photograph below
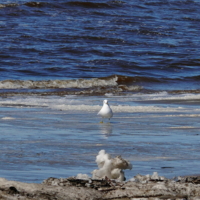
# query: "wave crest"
x,y
47,84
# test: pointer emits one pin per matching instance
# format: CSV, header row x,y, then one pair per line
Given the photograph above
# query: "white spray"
x,y
111,168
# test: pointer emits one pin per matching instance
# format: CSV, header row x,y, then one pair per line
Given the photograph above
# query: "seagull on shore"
x,y
106,111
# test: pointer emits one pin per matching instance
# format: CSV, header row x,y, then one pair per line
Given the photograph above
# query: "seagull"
x,y
106,111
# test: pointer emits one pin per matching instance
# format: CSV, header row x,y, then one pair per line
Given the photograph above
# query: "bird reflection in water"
x,y
106,129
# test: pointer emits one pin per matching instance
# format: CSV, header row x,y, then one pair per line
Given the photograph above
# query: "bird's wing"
x,y
99,113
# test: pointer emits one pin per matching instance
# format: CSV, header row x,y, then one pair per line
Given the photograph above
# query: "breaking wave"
x,y
111,85
45,84
94,86
124,82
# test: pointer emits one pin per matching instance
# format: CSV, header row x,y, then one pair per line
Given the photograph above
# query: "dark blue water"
x,y
151,44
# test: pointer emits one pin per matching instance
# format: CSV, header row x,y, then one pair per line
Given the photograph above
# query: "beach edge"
x,y
72,188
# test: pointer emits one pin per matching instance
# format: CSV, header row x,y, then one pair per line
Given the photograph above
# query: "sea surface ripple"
x,y
152,45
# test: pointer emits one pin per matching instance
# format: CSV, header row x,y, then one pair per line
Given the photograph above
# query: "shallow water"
x,y
41,142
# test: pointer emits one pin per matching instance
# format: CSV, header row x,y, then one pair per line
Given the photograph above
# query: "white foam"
x,y
7,118
118,104
82,176
108,94
184,127
77,83
185,115
111,168
118,109
72,103
160,96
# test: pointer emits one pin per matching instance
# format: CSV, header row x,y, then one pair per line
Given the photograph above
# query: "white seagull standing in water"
x,y
106,111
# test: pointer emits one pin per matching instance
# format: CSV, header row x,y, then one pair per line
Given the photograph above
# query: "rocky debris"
x,y
148,187
189,179
13,190
90,183
144,179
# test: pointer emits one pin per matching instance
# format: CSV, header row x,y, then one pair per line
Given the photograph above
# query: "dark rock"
x,y
12,190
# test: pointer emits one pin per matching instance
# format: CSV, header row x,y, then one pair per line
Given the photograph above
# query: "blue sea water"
x,y
156,41
60,59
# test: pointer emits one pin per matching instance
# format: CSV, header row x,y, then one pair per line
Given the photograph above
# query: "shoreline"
x,y
142,188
